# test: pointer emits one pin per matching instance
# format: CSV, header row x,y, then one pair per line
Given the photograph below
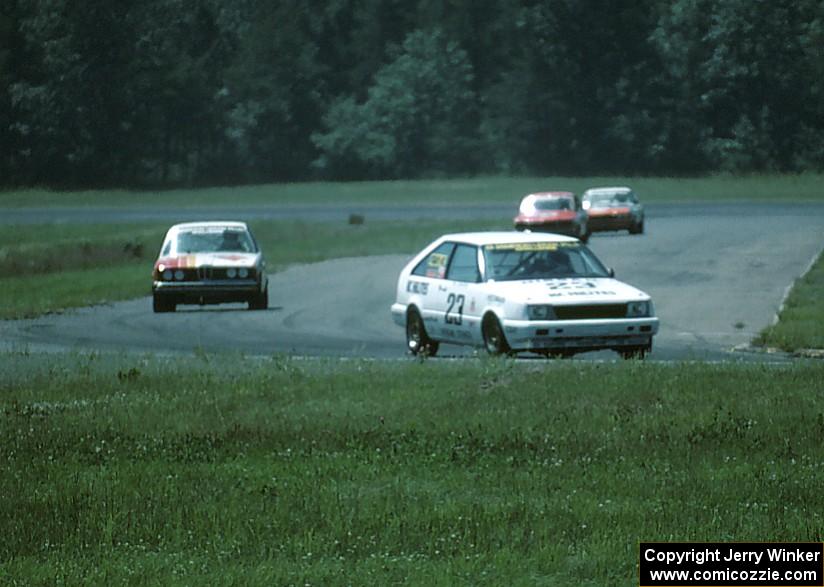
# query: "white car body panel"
x,y
453,311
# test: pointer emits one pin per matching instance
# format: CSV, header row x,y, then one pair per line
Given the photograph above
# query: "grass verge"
x,y
490,190
223,470
49,268
800,323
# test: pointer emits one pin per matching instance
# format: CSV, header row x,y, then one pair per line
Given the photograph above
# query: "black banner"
x,y
718,564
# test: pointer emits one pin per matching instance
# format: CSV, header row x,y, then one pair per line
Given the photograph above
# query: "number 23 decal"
x,y
454,310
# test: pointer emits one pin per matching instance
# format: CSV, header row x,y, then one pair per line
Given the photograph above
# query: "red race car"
x,y
558,212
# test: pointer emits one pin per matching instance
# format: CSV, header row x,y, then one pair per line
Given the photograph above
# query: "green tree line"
x,y
193,92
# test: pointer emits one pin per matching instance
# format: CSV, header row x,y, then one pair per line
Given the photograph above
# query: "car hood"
x,y
608,210
568,290
210,259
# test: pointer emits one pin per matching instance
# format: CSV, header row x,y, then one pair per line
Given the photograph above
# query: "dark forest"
x,y
102,93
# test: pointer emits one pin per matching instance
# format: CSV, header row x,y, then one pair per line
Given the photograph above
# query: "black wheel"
x,y
634,352
260,301
417,340
494,339
637,228
161,303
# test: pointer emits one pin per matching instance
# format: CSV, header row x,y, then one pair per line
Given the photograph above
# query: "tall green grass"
x,y
223,470
502,190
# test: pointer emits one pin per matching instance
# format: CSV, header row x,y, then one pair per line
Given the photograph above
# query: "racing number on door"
x,y
454,311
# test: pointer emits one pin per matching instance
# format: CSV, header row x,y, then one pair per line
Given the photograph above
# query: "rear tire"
x,y
417,340
494,339
162,304
637,228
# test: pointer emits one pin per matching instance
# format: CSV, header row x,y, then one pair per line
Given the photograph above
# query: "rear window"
x,y
434,264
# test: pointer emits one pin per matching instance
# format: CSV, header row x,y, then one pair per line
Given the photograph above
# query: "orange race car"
x,y
558,212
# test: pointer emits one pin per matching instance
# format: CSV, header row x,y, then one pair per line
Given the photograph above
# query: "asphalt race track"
x,y
717,275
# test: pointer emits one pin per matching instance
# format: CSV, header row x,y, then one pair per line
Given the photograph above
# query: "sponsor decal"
x,y
541,246
436,265
588,292
570,284
575,287
418,287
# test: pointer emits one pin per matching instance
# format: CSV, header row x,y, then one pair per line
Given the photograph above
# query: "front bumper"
x,y
609,222
207,291
565,227
580,335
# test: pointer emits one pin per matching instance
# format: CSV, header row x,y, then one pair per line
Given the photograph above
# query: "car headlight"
x,y
243,273
540,312
231,273
637,309
167,274
179,275
585,205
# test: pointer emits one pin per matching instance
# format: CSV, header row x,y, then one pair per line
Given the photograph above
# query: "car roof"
x,y
504,236
607,190
210,224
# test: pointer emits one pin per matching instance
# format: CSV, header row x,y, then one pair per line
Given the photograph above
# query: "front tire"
x,y
260,301
494,339
162,304
637,228
417,340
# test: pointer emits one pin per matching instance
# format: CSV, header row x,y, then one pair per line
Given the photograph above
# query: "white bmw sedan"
x,y
209,263
516,291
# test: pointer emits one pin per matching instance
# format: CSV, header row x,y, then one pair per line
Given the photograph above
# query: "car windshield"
x,y
541,260
607,200
213,240
553,204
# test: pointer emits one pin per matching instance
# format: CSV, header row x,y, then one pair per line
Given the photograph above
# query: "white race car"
x,y
209,263
516,291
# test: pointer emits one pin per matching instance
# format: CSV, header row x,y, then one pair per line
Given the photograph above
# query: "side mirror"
x,y
611,272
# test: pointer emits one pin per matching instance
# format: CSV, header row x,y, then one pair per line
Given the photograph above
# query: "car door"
x,y
460,285
427,280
